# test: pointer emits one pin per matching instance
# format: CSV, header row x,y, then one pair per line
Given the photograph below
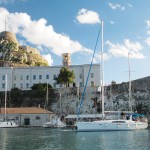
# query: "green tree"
x,y
65,77
41,87
141,108
40,92
16,97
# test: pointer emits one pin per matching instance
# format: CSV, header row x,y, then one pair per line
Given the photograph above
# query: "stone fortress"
x,y
13,54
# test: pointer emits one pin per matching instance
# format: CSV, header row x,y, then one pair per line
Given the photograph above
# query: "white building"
x,y
25,77
27,116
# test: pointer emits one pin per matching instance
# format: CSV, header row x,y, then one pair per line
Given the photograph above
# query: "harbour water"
x,y
67,139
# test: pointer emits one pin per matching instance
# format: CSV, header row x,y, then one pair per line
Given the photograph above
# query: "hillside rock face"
x,y
116,98
12,54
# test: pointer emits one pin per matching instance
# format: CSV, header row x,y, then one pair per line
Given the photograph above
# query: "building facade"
x,y
27,116
25,77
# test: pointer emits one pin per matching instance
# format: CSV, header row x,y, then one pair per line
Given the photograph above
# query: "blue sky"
x,y
59,26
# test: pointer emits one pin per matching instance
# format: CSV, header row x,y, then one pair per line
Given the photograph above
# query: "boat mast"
x,y
5,94
130,106
46,101
60,99
47,96
102,75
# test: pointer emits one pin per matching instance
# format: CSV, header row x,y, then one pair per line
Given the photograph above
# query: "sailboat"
x,y
7,123
55,122
132,121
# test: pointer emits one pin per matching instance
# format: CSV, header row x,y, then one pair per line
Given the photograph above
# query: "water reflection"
x,y
3,139
59,139
115,140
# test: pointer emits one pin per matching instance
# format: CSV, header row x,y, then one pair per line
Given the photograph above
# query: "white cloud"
x,y
130,5
37,32
116,6
10,1
148,23
112,22
148,41
87,17
122,50
49,59
148,32
132,46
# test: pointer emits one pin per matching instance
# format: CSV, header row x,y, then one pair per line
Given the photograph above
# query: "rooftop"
x,y
24,110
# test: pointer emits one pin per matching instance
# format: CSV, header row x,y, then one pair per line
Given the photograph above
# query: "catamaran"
x,y
131,121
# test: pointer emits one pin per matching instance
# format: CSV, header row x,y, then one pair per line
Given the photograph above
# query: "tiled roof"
x,y
25,110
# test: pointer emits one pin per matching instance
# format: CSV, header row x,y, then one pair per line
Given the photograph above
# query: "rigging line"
x,y
83,93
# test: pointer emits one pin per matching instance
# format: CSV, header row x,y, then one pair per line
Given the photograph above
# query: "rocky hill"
x,y
13,54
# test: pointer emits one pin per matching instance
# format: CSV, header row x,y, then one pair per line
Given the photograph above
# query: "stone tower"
x,y
66,59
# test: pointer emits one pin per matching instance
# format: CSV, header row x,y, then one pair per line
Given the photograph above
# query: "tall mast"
x,y
130,106
5,24
102,75
60,104
47,96
5,94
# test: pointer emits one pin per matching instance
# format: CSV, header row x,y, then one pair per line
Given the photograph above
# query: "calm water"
x,y
59,139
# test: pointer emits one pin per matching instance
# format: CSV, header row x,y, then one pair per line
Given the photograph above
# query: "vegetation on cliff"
x,y
32,98
11,51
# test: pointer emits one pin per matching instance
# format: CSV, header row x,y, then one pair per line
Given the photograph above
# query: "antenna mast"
x,y
5,24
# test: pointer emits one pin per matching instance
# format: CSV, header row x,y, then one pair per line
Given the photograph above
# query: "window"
x,y
3,86
80,84
27,77
54,76
27,85
14,85
92,83
54,85
47,76
92,75
60,85
15,78
40,77
80,76
21,86
34,77
3,77
38,117
21,77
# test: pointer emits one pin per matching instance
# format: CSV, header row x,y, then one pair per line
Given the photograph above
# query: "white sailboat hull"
x,y
47,125
55,122
8,124
50,125
111,125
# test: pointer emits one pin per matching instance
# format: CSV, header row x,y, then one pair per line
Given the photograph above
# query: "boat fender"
x,y
118,125
128,125
105,124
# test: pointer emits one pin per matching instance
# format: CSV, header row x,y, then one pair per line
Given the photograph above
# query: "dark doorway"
x,y
74,85
26,121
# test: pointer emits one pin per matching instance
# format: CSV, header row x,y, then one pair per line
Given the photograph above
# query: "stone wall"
x,y
116,98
